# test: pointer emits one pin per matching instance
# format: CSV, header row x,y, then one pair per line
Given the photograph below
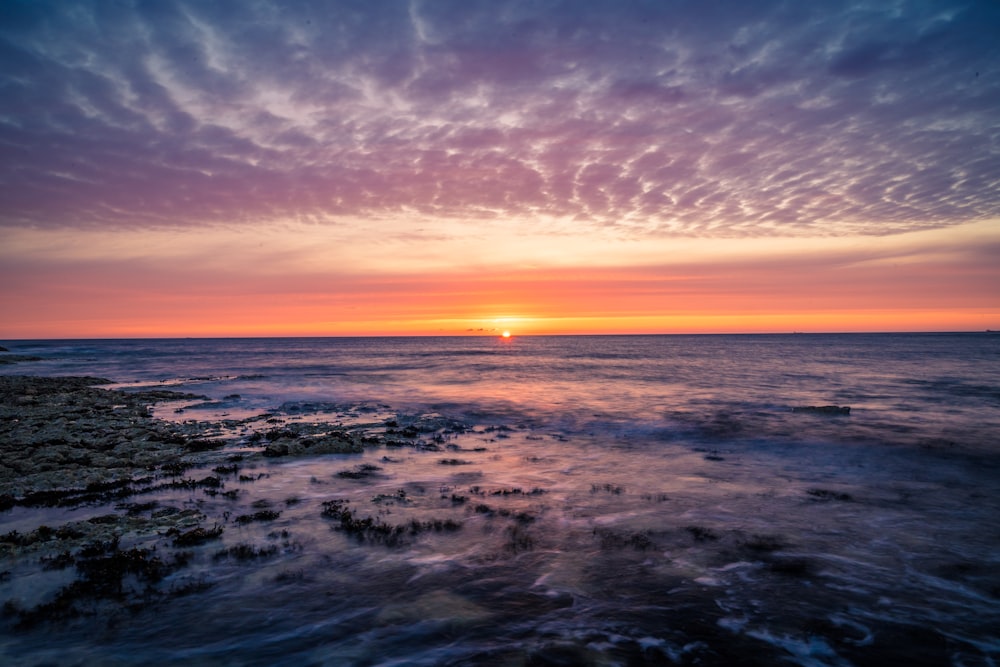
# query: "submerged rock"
x,y
15,358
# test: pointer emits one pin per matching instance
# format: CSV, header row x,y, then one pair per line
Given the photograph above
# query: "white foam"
x,y
867,639
808,652
733,624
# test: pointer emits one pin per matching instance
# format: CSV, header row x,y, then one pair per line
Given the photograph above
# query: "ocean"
x,y
612,500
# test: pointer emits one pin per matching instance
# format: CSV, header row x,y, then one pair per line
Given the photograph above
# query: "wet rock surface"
x,y
68,433
68,441
71,443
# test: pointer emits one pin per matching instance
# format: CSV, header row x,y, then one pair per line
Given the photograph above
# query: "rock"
x,y
275,450
823,409
63,431
15,358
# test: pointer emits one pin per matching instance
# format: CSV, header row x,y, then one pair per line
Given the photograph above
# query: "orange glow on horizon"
x,y
794,295
300,317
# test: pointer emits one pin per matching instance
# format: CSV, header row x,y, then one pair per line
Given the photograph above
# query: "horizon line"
x,y
514,335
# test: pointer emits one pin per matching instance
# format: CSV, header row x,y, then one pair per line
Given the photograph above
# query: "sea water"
x,y
622,500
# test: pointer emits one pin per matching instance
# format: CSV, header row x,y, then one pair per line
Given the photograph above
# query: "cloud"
x,y
673,118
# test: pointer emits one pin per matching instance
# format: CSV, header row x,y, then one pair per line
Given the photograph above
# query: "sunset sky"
x,y
172,168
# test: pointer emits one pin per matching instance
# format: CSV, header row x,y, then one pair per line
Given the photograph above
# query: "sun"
x,y
505,334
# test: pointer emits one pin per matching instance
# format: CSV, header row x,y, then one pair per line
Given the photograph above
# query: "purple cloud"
x,y
712,118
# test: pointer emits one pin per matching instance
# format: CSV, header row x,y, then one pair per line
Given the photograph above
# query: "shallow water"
x,y
646,500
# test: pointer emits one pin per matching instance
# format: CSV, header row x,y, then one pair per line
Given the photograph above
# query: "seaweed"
x,y
613,539
512,491
41,534
208,482
370,528
763,543
95,492
246,552
359,472
375,530
826,494
195,536
175,468
262,515
436,525
828,410
398,497
58,562
106,573
701,534
137,508
518,539
290,576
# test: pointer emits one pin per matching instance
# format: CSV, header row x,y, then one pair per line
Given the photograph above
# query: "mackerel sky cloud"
x,y
451,121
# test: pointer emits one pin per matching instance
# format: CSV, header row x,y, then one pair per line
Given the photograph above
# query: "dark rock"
x,y
47,385
203,444
454,462
826,494
273,451
823,409
16,358
701,534
195,536
58,428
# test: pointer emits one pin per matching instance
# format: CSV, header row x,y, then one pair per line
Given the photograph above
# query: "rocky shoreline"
x,y
68,442
65,439
66,432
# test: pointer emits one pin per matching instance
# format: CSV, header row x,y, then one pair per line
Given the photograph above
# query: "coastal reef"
x,y
61,433
67,441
